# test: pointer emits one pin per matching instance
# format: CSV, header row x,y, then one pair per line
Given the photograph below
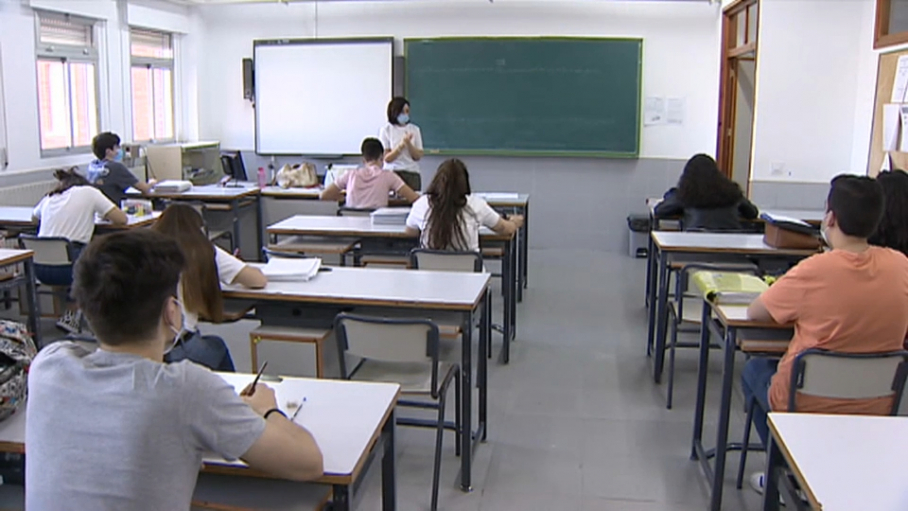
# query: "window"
x,y
67,65
152,84
891,23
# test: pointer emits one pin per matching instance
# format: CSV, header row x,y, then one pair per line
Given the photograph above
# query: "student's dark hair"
x,y
372,149
857,203
702,185
893,229
66,179
201,285
395,107
102,142
447,197
122,282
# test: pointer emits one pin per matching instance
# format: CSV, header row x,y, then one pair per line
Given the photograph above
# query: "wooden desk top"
x,y
344,417
12,256
735,315
205,192
291,193
412,289
811,216
351,226
21,216
725,243
504,199
846,462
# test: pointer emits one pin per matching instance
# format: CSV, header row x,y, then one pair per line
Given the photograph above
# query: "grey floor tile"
x,y
533,470
494,500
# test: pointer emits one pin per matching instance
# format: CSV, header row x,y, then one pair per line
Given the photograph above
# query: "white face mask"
x,y
177,333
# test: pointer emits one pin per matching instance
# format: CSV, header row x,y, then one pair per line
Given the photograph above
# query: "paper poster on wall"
x,y
891,122
900,86
674,110
887,163
903,143
653,111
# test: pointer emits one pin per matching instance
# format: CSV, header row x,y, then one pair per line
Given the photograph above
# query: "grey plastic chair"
x,y
345,211
403,351
441,260
837,375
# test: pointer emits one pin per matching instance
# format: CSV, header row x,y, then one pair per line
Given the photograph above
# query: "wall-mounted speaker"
x,y
248,80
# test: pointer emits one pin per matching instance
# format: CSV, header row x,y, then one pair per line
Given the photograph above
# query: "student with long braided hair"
x,y
448,217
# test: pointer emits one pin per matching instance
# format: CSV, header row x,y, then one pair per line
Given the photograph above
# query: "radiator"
x,y
25,195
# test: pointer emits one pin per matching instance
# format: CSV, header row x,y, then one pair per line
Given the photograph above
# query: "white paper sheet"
x,y
280,269
675,110
903,142
654,111
900,86
891,122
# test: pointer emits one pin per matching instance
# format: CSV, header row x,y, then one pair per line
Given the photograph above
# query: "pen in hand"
x,y
250,389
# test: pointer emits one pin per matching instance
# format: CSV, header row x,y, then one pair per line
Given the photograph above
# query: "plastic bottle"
x,y
263,178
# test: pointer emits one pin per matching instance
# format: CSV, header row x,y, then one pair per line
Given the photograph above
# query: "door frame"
x,y
731,53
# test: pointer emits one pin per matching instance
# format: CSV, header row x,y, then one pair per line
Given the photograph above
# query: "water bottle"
x,y
263,178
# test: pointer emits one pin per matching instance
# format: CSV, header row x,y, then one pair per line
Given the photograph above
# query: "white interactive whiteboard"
x,y
320,96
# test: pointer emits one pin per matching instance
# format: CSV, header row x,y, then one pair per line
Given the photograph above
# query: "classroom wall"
x,y
813,69
577,202
18,90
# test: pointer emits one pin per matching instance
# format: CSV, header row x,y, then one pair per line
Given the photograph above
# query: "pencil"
x,y
255,382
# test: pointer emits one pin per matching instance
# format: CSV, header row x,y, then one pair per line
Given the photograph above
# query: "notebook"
x,y
281,269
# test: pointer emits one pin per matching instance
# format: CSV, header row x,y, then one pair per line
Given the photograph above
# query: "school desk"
x,y
12,280
667,244
729,323
230,198
385,239
315,303
840,462
517,204
19,219
352,423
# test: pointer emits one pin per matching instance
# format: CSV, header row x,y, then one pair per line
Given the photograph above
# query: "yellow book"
x,y
728,287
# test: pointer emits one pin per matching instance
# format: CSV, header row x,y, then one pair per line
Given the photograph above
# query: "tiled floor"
x,y
576,422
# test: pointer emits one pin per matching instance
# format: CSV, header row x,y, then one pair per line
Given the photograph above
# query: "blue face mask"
x,y
403,119
119,155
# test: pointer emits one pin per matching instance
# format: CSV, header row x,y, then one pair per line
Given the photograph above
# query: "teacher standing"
x,y
403,143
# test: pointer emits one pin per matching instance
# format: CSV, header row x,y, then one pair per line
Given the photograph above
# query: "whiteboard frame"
x,y
312,41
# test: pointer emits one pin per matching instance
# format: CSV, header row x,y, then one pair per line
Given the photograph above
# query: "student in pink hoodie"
x,y
369,186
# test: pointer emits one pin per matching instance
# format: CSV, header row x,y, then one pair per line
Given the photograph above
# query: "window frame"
x,y
150,64
67,55
881,36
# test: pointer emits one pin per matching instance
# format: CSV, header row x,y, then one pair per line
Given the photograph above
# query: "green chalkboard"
x,y
545,96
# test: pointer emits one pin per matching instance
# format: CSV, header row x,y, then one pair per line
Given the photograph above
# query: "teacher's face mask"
x,y
403,119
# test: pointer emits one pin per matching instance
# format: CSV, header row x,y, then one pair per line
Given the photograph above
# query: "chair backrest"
x,y
839,375
441,260
48,251
227,164
387,340
354,211
268,253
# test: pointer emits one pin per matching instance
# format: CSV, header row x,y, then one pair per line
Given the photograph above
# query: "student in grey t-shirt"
x,y
117,428
108,173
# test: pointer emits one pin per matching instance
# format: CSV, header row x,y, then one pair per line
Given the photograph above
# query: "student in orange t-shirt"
x,y
851,299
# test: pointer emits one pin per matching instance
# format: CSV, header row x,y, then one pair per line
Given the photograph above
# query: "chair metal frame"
x,y
798,370
438,390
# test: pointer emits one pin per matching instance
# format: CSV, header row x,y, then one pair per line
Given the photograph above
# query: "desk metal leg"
x,y
650,270
388,469
482,360
235,206
728,371
702,373
516,283
507,278
660,307
340,499
466,400
651,299
525,247
774,466
31,298
259,218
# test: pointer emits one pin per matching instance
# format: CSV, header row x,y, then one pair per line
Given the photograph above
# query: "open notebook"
x,y
280,269
728,287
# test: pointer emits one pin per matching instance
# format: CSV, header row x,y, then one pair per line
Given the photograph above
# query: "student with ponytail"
x,y
448,217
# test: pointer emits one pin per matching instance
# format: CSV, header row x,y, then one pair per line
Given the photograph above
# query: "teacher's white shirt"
x,y
391,136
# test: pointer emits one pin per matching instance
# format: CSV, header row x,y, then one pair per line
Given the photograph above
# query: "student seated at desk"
x,y
852,299
893,229
207,265
117,428
369,186
706,199
108,173
448,217
69,211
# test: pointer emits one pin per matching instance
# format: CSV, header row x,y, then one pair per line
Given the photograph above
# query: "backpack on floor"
x,y
17,350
